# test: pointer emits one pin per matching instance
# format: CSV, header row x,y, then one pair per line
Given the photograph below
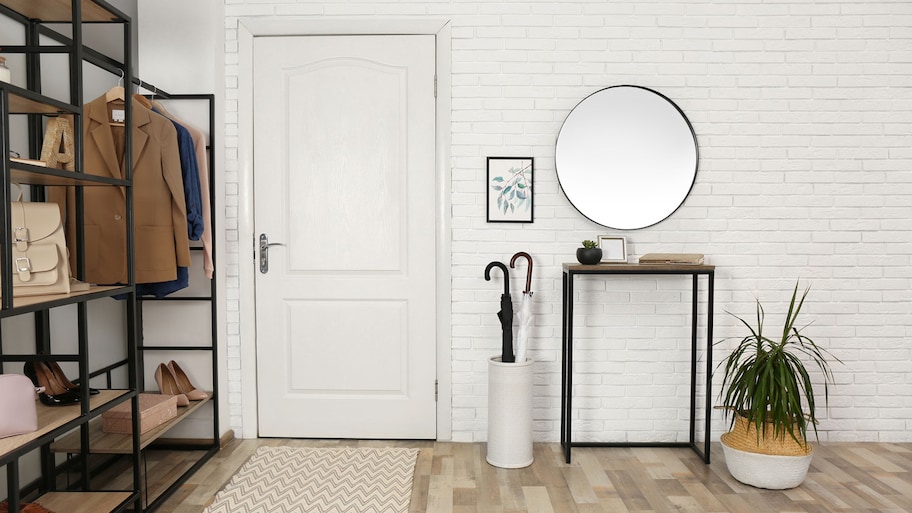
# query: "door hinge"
x,y
435,86
436,390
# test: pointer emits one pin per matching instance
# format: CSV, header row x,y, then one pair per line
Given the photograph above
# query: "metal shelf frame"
x,y
30,102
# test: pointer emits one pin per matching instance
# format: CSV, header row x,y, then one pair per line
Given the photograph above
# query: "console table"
x,y
695,271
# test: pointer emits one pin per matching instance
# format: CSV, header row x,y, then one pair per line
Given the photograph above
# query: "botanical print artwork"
x,y
510,189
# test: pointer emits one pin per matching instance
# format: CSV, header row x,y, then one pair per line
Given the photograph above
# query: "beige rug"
x,y
320,480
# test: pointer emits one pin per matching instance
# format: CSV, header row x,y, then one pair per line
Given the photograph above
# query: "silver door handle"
x,y
264,252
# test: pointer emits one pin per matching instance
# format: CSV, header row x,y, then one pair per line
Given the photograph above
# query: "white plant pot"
x,y
509,413
765,470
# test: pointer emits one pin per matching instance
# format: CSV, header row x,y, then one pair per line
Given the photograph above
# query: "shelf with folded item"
x,y
28,304
54,420
84,502
101,442
62,12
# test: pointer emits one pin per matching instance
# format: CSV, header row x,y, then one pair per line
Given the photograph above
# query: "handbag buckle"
x,y
21,237
24,268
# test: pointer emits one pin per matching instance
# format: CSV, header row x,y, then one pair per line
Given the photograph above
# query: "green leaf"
x,y
767,380
497,179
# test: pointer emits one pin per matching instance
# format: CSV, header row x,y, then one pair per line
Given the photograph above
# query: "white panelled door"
x,y
344,179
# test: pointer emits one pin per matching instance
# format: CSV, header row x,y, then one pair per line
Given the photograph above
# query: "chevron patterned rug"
x,y
320,480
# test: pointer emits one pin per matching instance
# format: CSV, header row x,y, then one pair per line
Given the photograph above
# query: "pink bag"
x,y
18,413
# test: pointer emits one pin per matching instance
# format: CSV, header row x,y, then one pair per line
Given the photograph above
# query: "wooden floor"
x,y
454,477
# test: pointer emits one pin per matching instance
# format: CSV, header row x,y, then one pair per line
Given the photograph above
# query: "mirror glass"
x,y
626,157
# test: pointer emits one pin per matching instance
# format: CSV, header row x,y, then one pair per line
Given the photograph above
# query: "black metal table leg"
x,y
711,287
563,391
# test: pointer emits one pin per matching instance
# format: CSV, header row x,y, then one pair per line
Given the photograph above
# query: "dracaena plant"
x,y
766,379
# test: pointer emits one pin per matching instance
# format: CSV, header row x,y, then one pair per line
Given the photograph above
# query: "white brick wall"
x,y
803,112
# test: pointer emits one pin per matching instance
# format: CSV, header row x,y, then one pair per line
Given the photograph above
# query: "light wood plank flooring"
x,y
454,478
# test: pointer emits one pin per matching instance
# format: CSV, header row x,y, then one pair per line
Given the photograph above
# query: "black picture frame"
x,y
509,190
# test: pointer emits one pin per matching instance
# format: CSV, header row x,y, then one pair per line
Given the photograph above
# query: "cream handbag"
x,y
40,264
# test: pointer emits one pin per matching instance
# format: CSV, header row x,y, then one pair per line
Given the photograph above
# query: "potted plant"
x,y
590,253
768,393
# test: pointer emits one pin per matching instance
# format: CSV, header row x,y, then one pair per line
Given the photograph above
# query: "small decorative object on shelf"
x,y
672,258
590,253
57,148
5,74
614,249
154,410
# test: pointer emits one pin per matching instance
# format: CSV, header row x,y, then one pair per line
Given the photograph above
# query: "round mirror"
x,y
626,157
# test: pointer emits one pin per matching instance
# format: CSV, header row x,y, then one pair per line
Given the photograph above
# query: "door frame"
x,y
247,30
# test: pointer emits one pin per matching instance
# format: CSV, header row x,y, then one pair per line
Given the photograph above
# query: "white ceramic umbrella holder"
x,y
509,413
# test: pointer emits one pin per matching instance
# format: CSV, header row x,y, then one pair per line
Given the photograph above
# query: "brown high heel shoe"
x,y
183,383
55,394
168,385
63,380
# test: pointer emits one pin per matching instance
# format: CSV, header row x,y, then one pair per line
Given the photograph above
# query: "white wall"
x,y
180,51
802,112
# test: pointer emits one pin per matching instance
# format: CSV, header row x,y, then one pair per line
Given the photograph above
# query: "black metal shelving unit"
x,y
36,17
208,446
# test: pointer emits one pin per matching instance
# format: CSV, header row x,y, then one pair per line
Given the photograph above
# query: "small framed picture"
x,y
614,249
509,190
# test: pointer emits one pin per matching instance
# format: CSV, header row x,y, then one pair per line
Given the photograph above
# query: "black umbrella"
x,y
506,312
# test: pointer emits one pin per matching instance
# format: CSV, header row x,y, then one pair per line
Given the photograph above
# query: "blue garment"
x,y
190,174
193,199
163,288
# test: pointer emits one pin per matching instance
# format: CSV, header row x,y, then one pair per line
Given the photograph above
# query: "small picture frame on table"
x,y
614,249
509,190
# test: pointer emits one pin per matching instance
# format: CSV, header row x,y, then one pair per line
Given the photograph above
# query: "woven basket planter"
x,y
770,462
743,436
766,470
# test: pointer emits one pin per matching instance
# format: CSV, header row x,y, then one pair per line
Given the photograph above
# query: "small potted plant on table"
x,y
767,391
590,253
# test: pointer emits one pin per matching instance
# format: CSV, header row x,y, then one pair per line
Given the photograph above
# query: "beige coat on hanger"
x,y
160,214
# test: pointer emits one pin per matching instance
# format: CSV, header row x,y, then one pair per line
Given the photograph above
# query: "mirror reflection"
x,y
626,157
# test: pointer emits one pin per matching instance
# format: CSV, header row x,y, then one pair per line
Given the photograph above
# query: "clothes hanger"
x,y
145,102
117,92
158,105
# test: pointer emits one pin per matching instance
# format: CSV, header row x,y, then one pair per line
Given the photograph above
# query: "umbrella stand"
x,y
509,392
506,312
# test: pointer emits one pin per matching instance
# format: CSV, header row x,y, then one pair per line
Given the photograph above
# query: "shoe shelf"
x,y
116,443
51,418
84,502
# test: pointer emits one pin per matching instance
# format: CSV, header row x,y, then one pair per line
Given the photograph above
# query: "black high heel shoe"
x,y
54,393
